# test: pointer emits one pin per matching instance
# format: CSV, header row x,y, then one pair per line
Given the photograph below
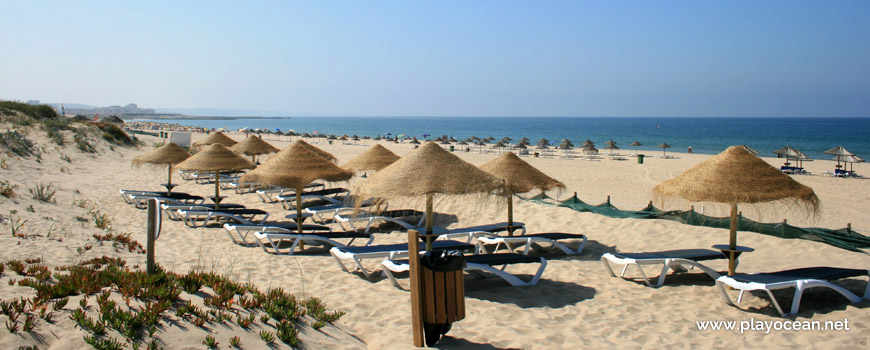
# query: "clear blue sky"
x,y
458,58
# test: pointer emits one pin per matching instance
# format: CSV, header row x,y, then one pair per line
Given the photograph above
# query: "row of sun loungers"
x,y
248,227
800,279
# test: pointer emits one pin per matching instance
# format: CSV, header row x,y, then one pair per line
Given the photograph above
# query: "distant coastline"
x,y
134,117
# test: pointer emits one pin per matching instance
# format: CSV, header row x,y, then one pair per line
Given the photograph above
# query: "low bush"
x,y
17,144
36,111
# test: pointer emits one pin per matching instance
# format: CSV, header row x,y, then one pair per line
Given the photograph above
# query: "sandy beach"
x,y
575,304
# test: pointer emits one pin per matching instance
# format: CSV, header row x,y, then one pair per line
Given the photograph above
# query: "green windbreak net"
x,y
844,238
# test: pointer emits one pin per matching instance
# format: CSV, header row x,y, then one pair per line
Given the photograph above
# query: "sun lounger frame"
x,y
676,264
392,266
800,286
509,242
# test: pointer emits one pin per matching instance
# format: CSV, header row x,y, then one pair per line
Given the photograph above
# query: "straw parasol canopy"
x,y
429,170
664,147
253,146
317,151
215,137
750,149
375,158
168,154
216,158
840,152
519,177
736,176
295,167
635,144
852,159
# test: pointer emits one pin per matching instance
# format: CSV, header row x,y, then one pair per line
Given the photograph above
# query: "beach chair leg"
x,y
724,292
661,280
607,266
340,263
646,279
393,279
740,296
775,303
360,267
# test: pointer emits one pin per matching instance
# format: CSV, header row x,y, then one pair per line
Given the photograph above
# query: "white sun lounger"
x,y
508,242
171,208
471,232
239,231
270,239
339,208
128,195
480,263
269,195
669,259
358,254
800,279
190,216
392,216
330,195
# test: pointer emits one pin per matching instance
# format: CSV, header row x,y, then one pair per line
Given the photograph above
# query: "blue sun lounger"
x,y
358,254
800,279
669,259
480,263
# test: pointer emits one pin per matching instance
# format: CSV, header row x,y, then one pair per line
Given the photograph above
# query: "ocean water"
x,y
705,135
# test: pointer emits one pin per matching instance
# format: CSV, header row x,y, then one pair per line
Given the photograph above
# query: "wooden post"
x,y
217,189
510,214
732,241
299,214
608,199
429,219
416,295
150,233
169,179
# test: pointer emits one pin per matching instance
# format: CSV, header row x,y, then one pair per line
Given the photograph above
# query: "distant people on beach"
x,y
690,149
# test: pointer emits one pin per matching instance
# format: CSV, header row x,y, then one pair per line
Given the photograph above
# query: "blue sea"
x,y
705,135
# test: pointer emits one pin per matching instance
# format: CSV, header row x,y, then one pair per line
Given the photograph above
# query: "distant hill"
x,y
220,112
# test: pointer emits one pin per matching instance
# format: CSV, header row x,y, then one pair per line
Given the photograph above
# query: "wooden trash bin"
x,y
443,295
437,293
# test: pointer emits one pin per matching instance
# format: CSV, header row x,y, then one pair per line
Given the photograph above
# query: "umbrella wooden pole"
x,y
429,220
217,189
169,179
732,241
510,214
299,214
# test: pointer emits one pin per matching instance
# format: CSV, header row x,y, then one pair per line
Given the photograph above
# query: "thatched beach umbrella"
x,y
750,149
295,167
169,155
216,158
253,146
611,147
736,176
840,152
215,137
427,171
519,177
635,144
664,147
849,159
317,151
374,158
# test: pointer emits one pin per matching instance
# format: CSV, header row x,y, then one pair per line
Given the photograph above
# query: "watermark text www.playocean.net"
x,y
753,325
